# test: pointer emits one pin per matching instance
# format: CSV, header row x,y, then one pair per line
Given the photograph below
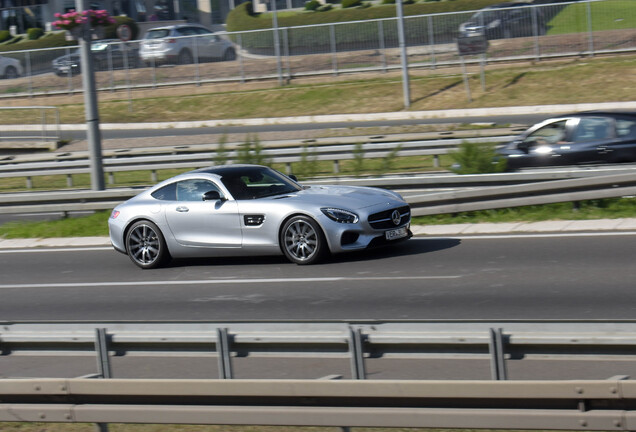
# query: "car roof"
x,y
223,170
594,113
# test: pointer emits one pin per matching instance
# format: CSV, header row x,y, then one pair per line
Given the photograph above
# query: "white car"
x,y
237,210
184,44
10,68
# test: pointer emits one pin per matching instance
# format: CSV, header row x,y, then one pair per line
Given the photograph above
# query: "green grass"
x,y
609,208
607,15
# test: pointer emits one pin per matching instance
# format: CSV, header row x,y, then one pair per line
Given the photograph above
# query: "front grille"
x,y
383,220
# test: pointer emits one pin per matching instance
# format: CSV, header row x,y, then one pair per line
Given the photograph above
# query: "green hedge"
x,y
35,33
239,19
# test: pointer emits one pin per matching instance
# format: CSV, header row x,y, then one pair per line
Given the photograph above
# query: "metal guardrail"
x,y
359,341
281,152
524,188
541,405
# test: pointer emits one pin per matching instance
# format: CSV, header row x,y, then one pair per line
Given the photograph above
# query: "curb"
x,y
409,115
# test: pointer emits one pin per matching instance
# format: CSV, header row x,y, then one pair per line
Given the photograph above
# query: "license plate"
x,y
396,233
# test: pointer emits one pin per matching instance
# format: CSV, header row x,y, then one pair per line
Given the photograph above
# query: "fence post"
x,y
431,41
29,72
286,53
101,349
381,43
334,54
497,360
589,27
240,58
195,54
535,31
69,74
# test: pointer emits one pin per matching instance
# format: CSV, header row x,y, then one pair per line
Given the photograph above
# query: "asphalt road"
x,y
500,277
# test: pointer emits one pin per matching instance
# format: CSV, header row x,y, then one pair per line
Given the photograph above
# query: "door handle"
x,y
183,209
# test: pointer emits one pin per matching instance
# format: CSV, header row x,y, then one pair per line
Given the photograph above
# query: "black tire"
x,y
302,240
145,245
11,72
185,57
229,55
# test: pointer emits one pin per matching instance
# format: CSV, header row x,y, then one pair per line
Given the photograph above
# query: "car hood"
x,y
349,197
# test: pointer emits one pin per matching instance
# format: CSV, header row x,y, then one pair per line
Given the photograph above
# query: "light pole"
x,y
90,103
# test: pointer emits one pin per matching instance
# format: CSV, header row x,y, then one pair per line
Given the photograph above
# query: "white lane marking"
x,y
219,282
521,236
65,249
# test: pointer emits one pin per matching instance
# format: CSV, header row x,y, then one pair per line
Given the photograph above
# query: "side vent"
x,y
253,220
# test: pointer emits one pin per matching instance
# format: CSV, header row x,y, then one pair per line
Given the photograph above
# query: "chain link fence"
x,y
533,32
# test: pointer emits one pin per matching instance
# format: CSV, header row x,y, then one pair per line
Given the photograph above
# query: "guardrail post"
x,y
223,351
357,354
153,176
336,167
29,183
101,349
497,360
69,180
111,178
436,161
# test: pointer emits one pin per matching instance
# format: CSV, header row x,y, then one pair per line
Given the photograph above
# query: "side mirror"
x,y
293,177
523,146
213,195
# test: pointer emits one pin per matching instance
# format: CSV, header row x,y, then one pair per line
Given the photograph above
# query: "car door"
x,y
592,140
208,44
623,149
198,223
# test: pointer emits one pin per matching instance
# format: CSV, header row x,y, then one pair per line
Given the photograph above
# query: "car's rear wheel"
x,y
302,240
10,72
185,57
145,245
229,55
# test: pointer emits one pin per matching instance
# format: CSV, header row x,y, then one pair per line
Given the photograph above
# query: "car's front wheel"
x,y
145,245
302,240
10,72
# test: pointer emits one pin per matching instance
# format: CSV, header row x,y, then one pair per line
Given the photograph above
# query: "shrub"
x,y
351,3
312,5
471,158
4,35
325,7
34,33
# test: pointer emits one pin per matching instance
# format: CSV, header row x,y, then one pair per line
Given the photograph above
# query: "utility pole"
x,y
90,103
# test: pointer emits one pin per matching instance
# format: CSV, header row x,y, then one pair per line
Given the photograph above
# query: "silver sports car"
x,y
253,210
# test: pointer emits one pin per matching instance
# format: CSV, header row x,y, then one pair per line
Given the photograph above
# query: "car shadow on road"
x,y
414,246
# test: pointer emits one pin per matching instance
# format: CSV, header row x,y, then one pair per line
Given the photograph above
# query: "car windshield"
x,y
157,34
257,182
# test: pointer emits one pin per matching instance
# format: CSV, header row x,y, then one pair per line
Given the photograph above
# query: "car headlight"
x,y
340,215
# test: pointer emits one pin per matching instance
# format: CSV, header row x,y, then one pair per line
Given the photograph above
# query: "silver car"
x,y
183,44
236,210
10,68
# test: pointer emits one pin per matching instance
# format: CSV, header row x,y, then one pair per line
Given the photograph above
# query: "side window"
x,y
193,190
549,134
593,129
166,193
626,129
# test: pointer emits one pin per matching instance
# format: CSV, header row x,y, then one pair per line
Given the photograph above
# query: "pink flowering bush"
x,y
72,19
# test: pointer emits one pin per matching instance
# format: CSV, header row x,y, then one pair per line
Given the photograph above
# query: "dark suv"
x,y
505,20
